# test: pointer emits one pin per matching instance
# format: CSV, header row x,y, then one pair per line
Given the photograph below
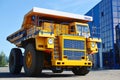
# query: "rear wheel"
x,y
80,70
33,61
15,61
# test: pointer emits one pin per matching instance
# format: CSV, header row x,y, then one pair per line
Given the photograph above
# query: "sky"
x,y
12,13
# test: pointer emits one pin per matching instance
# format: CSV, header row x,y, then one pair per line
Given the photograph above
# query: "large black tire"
x,y
33,61
80,71
57,70
15,61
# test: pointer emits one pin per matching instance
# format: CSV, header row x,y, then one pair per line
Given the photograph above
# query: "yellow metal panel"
x,y
40,43
57,29
64,29
75,49
72,63
50,45
48,26
61,46
92,45
45,34
73,37
94,39
84,24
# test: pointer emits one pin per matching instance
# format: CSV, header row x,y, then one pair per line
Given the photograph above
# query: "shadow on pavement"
x,y
8,75
43,75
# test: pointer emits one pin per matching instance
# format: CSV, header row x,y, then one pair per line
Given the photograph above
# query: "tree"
x,y
3,60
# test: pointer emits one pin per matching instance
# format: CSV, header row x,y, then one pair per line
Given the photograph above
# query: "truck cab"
x,y
80,29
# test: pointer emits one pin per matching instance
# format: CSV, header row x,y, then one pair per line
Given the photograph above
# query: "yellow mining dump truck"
x,y
52,40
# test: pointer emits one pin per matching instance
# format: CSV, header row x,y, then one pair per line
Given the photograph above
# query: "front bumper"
x,y
71,63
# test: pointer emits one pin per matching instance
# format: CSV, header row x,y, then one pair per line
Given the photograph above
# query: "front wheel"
x,y
33,61
80,71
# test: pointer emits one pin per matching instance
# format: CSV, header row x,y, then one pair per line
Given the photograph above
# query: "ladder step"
x,y
56,52
56,47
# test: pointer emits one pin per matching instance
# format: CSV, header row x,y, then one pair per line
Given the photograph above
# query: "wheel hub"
x,y
29,59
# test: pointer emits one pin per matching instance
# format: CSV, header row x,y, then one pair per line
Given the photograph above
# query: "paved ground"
x,y
66,75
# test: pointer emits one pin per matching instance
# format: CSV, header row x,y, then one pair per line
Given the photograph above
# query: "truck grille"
x,y
73,55
73,44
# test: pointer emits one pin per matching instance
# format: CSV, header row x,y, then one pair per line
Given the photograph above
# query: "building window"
x,y
115,14
118,2
119,14
114,2
103,45
115,8
115,20
102,14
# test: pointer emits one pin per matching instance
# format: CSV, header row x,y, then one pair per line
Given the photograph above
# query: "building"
x,y
106,16
117,46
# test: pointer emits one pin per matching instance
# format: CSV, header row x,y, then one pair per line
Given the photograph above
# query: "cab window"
x,y
83,30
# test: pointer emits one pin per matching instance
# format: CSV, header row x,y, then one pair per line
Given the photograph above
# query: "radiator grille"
x,y
73,44
73,55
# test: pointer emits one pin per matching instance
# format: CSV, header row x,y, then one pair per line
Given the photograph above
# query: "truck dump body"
x,y
44,14
57,15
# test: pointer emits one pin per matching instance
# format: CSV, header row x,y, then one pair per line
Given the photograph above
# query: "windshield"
x,y
83,30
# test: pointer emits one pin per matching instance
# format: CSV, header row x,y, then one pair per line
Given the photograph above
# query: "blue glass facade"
x,y
106,15
95,30
117,46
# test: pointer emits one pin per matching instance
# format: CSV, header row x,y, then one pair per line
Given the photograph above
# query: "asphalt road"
x,y
66,75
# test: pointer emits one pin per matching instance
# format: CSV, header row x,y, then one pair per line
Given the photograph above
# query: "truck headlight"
x,y
50,41
93,44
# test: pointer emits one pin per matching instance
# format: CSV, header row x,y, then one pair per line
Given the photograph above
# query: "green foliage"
x,y
3,59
